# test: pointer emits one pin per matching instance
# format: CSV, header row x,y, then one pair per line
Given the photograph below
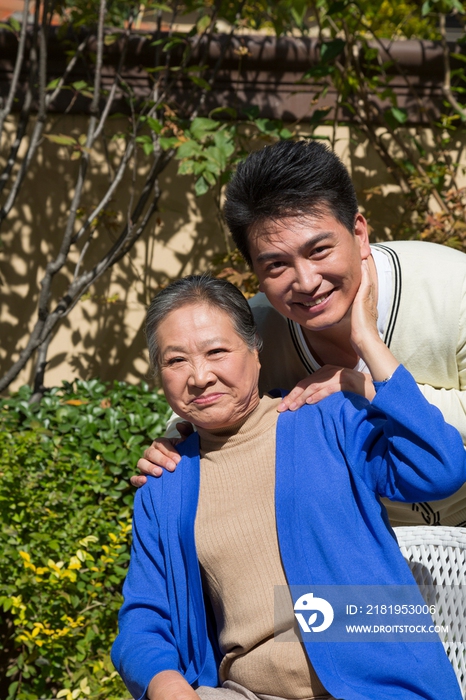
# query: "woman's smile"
x,y
207,399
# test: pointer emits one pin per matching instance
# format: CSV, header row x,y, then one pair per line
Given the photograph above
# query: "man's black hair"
x,y
290,178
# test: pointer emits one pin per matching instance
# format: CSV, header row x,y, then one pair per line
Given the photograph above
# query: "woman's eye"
x,y
175,360
217,351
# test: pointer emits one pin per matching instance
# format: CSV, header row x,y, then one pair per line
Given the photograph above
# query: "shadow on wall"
x,y
111,342
385,206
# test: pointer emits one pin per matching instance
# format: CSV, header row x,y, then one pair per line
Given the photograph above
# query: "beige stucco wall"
x,y
103,336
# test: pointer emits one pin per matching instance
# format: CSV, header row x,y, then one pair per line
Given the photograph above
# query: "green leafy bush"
x,y
65,525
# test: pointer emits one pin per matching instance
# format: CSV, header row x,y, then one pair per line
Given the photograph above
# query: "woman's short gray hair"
x,y
201,289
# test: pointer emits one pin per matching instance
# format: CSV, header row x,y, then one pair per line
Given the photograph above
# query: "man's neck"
x,y
332,346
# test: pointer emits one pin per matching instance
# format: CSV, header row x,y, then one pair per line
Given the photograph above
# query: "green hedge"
x,y
65,526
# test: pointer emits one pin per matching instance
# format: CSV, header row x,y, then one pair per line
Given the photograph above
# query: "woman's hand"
x,y
162,454
170,685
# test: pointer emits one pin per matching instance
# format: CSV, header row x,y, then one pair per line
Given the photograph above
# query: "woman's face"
x,y
208,373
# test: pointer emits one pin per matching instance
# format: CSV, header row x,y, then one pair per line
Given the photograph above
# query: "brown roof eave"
x,y
266,75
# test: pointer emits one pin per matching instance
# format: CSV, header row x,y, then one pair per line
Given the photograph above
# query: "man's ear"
x,y
362,234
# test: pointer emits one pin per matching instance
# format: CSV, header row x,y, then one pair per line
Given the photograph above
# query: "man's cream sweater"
x,y
425,330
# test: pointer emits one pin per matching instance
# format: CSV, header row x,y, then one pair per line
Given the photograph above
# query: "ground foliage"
x,y
65,526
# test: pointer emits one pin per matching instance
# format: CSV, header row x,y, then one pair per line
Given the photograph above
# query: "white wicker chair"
x,y
437,558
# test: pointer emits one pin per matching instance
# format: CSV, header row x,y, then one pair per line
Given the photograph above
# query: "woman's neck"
x,y
248,425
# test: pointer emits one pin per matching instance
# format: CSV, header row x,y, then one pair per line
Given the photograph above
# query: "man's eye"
x,y
321,249
217,351
276,265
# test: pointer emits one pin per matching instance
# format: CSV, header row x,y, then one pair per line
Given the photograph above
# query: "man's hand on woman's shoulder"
x,y
326,381
162,454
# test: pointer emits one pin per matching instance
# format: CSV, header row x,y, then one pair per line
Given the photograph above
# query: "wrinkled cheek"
x,y
180,408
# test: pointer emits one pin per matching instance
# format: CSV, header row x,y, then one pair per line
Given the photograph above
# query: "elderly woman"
x,y
198,614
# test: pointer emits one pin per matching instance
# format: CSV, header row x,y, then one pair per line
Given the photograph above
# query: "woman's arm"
x,y
145,645
400,444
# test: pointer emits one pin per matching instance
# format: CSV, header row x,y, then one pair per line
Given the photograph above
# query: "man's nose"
x,y
307,278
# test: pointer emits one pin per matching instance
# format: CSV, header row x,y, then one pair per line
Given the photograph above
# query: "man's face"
x,y
310,267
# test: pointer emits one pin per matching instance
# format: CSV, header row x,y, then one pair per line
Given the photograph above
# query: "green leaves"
x,y
61,139
12,26
210,148
336,8
206,153
329,50
78,146
441,6
202,126
395,117
319,115
203,23
147,144
154,124
65,525
201,186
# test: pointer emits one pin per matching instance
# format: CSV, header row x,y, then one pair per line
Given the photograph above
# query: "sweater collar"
x,y
261,418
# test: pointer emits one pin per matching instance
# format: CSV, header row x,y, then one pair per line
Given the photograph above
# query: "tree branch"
x,y
109,193
17,69
25,111
45,326
446,87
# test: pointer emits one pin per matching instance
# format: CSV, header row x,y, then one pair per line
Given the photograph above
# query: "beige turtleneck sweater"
x,y
237,546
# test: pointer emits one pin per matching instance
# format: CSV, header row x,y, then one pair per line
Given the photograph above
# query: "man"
x,y
293,213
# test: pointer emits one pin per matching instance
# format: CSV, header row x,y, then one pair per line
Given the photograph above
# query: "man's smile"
x,y
315,302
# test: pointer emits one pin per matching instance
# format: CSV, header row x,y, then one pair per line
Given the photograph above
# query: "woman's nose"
x,y
201,375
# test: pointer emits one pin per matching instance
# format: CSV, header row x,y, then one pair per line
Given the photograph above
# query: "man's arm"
x,y
330,379
451,402
421,456
429,333
162,454
440,367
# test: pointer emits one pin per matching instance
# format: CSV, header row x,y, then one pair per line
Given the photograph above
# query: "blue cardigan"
x,y
333,460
